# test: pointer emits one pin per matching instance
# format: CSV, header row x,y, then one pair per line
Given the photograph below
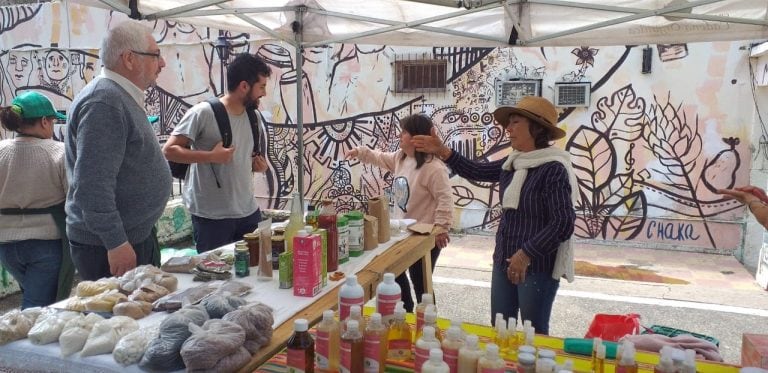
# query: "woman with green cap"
x,y
33,187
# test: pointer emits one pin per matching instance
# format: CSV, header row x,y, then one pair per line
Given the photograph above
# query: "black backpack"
x,y
179,170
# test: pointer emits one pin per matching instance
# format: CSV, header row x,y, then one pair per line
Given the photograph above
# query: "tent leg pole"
x,y
298,32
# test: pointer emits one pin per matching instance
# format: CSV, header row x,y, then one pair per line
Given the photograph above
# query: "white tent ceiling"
x,y
469,22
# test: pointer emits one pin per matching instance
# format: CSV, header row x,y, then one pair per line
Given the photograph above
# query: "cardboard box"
x,y
754,350
370,232
307,267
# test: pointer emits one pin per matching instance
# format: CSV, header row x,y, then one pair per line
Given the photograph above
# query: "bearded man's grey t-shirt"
x,y
203,198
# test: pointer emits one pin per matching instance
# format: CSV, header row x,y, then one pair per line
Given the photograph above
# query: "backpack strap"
x,y
222,120
253,118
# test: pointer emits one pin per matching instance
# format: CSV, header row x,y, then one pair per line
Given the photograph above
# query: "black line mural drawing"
x,y
12,16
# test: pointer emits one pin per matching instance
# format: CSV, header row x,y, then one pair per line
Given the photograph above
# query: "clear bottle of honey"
x,y
399,336
295,222
375,345
352,354
328,334
301,348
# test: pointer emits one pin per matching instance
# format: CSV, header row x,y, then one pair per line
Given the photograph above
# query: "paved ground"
x,y
721,299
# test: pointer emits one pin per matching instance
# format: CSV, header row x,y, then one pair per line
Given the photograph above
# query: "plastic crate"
x,y
672,332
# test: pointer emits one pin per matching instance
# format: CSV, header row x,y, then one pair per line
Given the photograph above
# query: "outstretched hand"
x,y
351,154
745,194
431,144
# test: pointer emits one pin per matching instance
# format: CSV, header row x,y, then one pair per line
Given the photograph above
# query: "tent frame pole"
x,y
394,25
195,6
298,30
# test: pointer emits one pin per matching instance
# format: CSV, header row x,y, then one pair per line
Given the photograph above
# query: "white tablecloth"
x,y
26,356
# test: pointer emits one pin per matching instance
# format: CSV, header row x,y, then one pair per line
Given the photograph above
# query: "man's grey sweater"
x,y
119,181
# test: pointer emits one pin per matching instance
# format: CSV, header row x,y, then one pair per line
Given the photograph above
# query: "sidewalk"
x,y
660,274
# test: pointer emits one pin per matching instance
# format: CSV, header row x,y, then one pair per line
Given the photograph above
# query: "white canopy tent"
x,y
477,23
468,22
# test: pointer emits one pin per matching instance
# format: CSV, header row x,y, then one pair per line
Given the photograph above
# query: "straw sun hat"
x,y
537,109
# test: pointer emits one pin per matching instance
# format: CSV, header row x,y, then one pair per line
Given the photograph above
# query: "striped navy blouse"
x,y
544,217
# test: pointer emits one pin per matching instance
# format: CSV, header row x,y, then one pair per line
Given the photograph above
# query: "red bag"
x,y
613,327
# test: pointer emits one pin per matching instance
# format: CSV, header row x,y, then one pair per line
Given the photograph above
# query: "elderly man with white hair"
x,y
119,181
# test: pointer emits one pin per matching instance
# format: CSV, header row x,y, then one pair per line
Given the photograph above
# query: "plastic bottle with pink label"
x,y
350,294
375,345
426,342
491,362
388,293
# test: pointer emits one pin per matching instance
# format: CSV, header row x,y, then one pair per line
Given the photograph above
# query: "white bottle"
x,y
468,355
355,313
491,362
350,294
500,338
423,345
435,364
689,365
387,296
426,299
451,346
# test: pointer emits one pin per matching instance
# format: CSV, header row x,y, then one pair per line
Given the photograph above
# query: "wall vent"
x,y
420,76
572,94
509,92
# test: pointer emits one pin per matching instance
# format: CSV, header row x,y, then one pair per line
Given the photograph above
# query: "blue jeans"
x,y
35,266
210,234
533,298
92,262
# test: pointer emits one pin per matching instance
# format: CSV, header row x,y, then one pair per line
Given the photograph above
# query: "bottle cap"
x,y
351,280
512,324
353,325
526,358
428,332
601,351
300,325
328,315
435,355
430,314
526,349
454,332
309,228
491,351
375,318
546,354
389,277
354,310
471,341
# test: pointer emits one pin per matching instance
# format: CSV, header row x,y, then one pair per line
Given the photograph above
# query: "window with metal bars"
x,y
420,76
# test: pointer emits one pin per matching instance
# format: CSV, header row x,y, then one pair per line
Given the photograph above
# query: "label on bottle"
x,y
322,349
492,370
346,303
385,305
419,319
346,357
296,362
343,244
372,353
422,355
398,349
451,357
626,369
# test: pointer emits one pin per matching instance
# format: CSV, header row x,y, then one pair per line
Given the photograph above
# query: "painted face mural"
x,y
56,65
19,68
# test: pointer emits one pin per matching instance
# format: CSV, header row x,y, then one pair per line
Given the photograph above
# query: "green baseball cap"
x,y
31,105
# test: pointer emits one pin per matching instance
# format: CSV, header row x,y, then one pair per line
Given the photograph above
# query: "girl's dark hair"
x,y
417,124
14,122
541,135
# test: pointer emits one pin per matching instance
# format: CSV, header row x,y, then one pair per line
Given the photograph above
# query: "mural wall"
x,y
649,151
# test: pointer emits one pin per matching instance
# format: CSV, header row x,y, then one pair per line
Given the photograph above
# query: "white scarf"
x,y
520,162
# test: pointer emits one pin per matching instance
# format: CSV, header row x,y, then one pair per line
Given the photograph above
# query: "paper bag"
x,y
370,232
421,228
379,207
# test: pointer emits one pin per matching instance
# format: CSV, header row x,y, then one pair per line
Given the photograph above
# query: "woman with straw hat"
x,y
33,187
537,190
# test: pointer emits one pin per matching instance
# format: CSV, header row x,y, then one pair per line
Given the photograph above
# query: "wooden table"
x,y
396,260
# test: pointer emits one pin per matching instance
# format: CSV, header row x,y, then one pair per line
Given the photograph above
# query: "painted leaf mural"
x,y
593,158
620,115
626,218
